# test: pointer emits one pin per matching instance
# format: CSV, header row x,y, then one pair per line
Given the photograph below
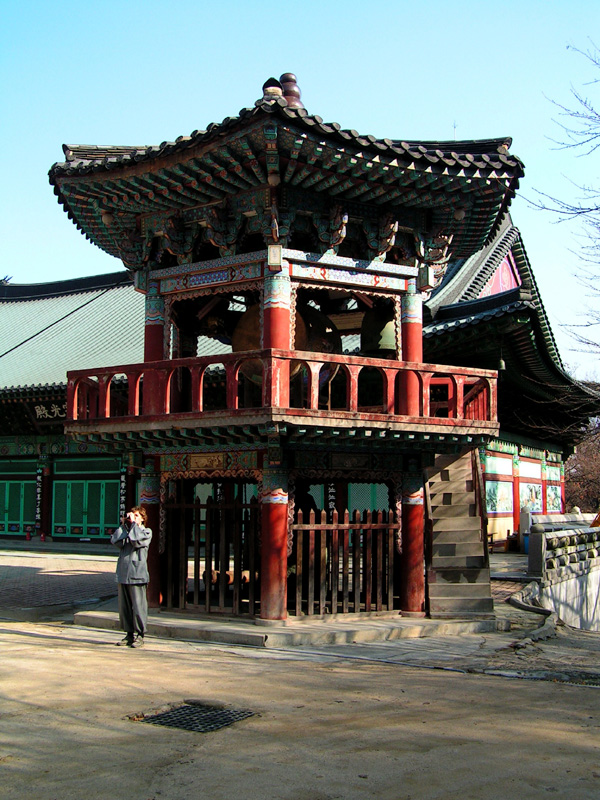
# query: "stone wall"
x,y
566,565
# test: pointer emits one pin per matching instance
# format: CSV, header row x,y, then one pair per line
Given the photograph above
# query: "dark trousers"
x,y
133,608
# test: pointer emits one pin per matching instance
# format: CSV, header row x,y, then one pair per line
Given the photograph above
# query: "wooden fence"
x,y
213,556
342,564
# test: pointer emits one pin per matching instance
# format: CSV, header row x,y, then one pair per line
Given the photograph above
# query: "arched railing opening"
x,y
249,388
327,375
338,392
85,399
214,388
441,397
118,396
179,391
300,386
477,399
370,390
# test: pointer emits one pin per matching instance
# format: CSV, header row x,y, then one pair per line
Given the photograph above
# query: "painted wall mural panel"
x,y
499,497
553,499
553,473
531,497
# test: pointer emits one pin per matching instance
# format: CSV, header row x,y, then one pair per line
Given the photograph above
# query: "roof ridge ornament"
x,y
272,91
291,90
285,88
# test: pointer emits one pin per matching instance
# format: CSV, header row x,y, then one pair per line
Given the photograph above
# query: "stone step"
x,y
457,562
456,524
458,590
467,616
453,537
456,510
463,549
451,499
444,474
481,605
458,579
454,484
458,575
450,462
447,475
336,629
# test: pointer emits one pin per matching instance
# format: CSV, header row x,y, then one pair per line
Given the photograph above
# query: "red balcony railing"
x,y
301,384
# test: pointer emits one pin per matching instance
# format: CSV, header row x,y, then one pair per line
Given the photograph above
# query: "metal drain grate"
x,y
201,719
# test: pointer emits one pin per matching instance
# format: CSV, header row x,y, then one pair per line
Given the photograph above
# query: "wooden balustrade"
x,y
367,387
342,563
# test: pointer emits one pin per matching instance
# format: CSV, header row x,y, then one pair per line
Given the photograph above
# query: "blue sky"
x,y
145,72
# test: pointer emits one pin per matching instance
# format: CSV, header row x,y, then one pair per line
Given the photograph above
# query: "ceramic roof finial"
x,y
291,91
272,90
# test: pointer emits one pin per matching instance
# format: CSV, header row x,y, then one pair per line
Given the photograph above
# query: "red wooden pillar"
x,y
273,555
412,350
153,351
276,333
412,562
276,319
276,323
150,501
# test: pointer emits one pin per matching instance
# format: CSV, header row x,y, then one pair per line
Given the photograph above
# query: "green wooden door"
x,y
17,507
85,509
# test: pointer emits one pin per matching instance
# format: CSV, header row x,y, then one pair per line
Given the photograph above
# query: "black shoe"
x,y
126,641
138,641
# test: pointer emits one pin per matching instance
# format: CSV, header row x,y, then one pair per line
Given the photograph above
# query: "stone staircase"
x,y
458,574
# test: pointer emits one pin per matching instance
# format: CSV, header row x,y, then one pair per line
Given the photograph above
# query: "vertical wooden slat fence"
x,y
217,571
341,564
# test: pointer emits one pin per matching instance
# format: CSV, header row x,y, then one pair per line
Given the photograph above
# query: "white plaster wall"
x,y
576,600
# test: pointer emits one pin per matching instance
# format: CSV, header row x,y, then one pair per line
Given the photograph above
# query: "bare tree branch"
x,y
580,124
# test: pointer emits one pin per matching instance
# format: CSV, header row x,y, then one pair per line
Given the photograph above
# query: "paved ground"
x,y
48,582
325,726
49,574
487,716
38,585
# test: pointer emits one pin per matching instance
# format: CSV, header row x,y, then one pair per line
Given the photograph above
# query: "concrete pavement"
x,y
347,725
40,584
48,583
485,715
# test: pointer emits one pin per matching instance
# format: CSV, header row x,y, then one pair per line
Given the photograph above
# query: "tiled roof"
x,y
535,393
468,314
72,325
463,188
463,282
482,154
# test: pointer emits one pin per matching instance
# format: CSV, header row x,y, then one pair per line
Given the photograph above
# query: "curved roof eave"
x,y
479,177
81,159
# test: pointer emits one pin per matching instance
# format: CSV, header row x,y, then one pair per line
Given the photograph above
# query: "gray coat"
x,y
133,543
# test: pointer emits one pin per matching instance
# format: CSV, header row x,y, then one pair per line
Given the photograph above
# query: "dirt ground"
x,y
348,725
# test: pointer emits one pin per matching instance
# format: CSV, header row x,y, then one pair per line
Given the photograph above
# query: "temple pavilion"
x,y
315,422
